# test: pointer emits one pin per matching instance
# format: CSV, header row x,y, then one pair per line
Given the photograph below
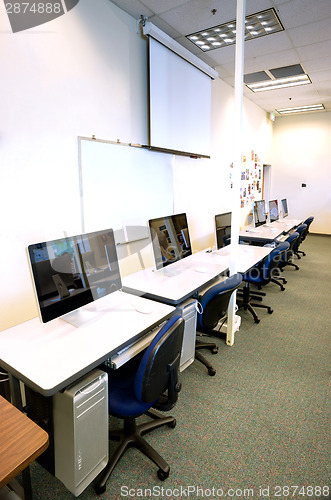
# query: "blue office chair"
x,y
261,275
305,232
308,222
287,257
214,304
148,380
301,230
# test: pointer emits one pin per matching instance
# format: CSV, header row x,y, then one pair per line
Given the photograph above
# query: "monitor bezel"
x,y
283,212
215,224
160,264
259,223
77,302
276,203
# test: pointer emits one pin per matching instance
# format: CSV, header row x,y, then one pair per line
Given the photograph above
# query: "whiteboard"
x,y
123,185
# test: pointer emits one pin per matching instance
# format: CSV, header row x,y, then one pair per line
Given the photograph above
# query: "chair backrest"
x,y
291,240
301,230
158,368
307,222
215,302
271,262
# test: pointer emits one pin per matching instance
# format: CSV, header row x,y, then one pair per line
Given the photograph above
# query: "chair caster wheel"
x,y
172,425
211,372
270,311
215,350
100,489
162,475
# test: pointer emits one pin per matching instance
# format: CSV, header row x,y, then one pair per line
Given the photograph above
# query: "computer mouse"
x,y
141,307
200,269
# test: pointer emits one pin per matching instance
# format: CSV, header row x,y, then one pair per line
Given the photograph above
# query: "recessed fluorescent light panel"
x,y
279,83
300,109
262,23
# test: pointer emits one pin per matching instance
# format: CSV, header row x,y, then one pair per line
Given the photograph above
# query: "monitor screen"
x,y
72,272
284,207
222,228
170,239
273,210
259,213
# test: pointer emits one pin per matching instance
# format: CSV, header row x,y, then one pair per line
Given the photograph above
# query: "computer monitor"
x,y
273,210
71,272
170,239
222,228
284,207
259,213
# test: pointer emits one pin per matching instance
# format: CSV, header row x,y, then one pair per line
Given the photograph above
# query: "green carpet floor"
x,y
259,428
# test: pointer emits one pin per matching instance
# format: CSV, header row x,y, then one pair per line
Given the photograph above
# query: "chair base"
x,y
289,264
131,436
297,253
198,356
247,304
278,282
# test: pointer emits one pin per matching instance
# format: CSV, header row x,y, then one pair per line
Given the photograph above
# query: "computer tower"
x,y
187,310
81,431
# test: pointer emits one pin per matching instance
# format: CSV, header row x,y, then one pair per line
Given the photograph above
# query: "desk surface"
x,y
270,231
21,441
48,357
177,282
180,280
247,255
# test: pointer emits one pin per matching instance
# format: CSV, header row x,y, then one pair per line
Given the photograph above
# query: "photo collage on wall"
x,y
251,179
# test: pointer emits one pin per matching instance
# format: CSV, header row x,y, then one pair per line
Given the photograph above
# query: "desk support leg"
x,y
16,396
15,391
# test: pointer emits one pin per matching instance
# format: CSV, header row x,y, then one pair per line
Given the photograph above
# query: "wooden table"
x,y
21,442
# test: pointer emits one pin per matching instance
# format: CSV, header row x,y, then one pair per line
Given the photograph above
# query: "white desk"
x,y
270,231
248,255
173,286
48,357
180,280
176,282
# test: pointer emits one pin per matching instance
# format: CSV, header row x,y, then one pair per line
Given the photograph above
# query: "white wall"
x,y
86,73
301,154
202,187
81,74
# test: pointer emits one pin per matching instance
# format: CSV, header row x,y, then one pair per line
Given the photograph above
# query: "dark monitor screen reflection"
x,y
71,272
259,213
223,229
284,207
273,210
170,239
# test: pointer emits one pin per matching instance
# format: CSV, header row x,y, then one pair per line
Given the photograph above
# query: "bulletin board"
x,y
251,179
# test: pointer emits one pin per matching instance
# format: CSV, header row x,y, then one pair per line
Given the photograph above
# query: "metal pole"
x,y
238,105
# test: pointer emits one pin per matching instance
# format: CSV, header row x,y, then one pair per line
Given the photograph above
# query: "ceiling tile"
x,y
273,60
298,12
313,50
160,6
197,15
311,33
317,65
266,45
133,7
